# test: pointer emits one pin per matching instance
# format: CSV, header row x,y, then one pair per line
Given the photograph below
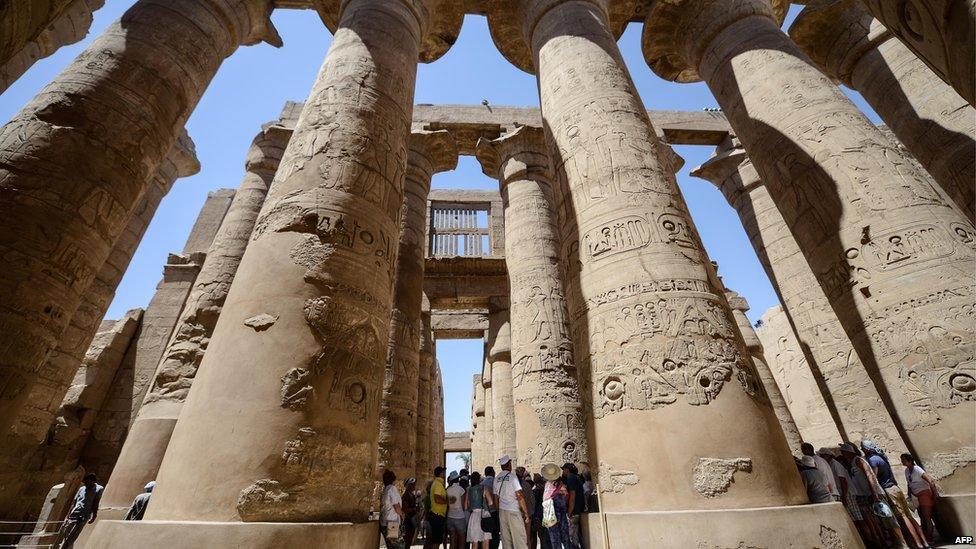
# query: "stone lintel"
x,y
459,324
457,442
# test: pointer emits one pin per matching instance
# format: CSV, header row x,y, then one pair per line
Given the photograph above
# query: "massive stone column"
x,y
34,30
287,397
824,381
940,32
498,350
437,417
76,160
145,445
546,396
425,467
487,424
739,307
479,453
928,117
893,257
428,153
652,335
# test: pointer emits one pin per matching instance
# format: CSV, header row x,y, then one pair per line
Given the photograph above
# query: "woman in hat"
x,y
555,504
410,507
477,499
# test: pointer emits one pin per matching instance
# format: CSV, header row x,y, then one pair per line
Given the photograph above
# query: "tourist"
x,y
477,500
411,511
512,512
542,534
456,524
576,501
437,514
863,477
525,481
489,482
922,487
814,481
821,465
847,489
83,509
896,498
391,512
587,490
424,528
138,508
556,500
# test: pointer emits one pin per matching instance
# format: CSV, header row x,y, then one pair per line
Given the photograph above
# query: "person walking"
x,y
896,497
456,523
555,507
438,510
512,512
411,510
814,481
84,509
922,487
477,500
494,523
577,501
391,512
138,508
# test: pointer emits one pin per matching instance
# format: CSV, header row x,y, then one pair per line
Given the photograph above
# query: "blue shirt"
x,y
86,502
885,477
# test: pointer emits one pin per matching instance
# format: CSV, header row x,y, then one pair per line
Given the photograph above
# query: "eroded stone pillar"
x,y
150,433
755,347
653,337
437,415
819,372
77,159
478,451
940,32
893,257
287,397
926,114
498,350
546,397
425,468
428,153
488,423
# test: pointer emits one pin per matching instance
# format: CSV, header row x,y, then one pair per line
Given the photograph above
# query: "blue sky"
x,y
255,82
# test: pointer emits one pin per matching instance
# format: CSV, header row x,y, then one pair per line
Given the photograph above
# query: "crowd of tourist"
x,y
862,478
512,508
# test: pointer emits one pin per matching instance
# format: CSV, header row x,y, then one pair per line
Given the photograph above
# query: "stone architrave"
x,y
891,253
428,153
66,22
825,384
757,350
926,114
942,33
546,396
654,340
76,160
498,350
287,397
145,445
425,468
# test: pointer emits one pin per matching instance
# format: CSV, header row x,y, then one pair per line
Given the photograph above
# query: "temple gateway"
x,y
287,357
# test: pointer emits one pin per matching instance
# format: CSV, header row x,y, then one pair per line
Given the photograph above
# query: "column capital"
x,y
439,20
730,170
499,341
518,154
267,148
676,32
430,152
736,301
512,22
836,35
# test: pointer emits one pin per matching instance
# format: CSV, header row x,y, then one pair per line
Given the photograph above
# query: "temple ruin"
x,y
288,355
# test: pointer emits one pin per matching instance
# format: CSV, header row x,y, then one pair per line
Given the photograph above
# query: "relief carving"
x,y
712,477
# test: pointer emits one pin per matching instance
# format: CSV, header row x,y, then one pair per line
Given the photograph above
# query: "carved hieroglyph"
x,y
818,363
321,259
498,351
653,338
426,370
926,114
940,32
142,452
893,257
547,401
739,307
68,190
429,153
487,426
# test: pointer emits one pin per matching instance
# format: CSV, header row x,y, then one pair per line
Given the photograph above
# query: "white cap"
x,y
150,485
808,461
504,459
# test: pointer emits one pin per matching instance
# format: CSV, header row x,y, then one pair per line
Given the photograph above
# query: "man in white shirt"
x,y
457,526
512,511
391,511
824,468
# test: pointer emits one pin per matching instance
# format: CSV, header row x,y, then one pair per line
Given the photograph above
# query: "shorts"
x,y
457,525
853,509
899,503
436,530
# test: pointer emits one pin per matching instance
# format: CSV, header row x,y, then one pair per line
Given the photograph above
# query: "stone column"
x,y
940,32
498,350
926,114
64,202
488,422
821,376
145,445
547,402
428,153
437,406
478,450
892,255
652,335
59,28
287,397
755,347
425,468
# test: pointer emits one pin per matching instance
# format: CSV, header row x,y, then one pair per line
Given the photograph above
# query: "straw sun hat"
x,y
551,471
